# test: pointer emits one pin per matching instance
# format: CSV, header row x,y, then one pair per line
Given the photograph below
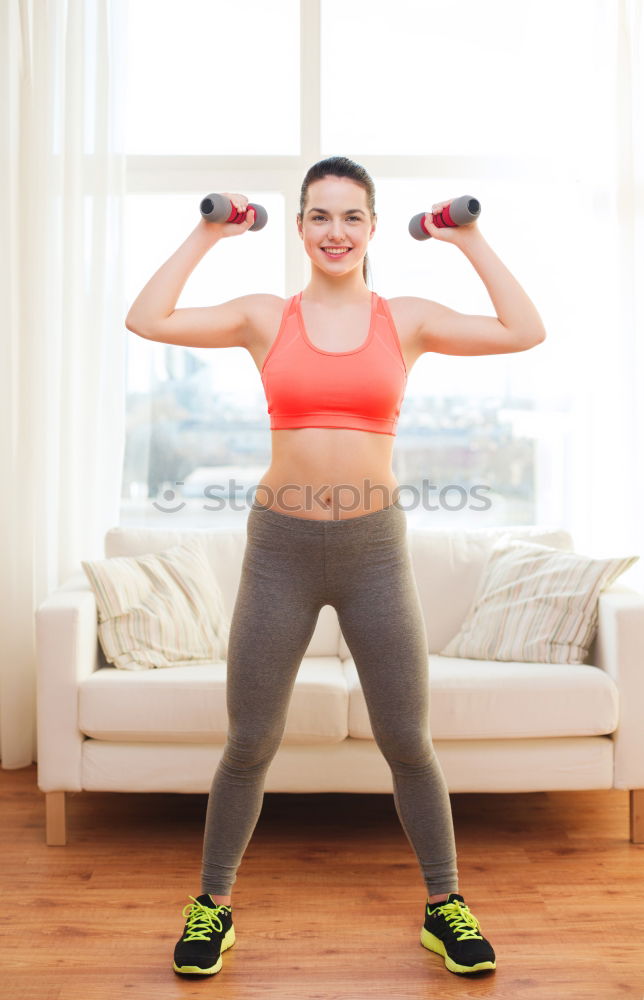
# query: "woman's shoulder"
x,y
404,311
263,310
262,307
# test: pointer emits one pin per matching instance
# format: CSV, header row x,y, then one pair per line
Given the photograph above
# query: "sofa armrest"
x,y
66,652
619,651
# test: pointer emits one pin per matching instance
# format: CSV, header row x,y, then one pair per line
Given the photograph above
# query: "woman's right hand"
x,y
220,230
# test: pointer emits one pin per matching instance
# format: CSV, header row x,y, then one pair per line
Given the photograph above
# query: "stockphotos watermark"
x,y
339,496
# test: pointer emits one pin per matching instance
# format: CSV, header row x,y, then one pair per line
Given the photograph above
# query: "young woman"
x,y
325,527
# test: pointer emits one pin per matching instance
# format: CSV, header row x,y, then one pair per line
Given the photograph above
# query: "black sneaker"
x,y
452,930
209,931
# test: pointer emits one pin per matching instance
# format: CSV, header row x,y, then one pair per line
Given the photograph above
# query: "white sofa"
x,y
496,726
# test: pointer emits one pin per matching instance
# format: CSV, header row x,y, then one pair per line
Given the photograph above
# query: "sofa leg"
x,y
56,834
636,796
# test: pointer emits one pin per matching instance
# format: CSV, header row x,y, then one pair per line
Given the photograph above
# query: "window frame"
x,y
249,173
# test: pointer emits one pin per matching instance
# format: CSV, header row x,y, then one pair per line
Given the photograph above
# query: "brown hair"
x,y
341,166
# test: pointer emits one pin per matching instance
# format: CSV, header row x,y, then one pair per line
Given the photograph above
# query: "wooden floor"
x,y
328,901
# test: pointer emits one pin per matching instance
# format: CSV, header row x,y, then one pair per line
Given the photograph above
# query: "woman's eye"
x,y
316,217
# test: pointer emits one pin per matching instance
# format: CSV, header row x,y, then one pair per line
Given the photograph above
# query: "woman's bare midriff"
x,y
328,473
325,473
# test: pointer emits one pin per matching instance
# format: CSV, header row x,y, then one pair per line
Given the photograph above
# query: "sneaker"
x,y
452,930
209,931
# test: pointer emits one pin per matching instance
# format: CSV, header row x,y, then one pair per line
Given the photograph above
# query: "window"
x,y
435,101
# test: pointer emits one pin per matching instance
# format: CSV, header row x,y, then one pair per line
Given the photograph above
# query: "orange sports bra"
x,y
361,390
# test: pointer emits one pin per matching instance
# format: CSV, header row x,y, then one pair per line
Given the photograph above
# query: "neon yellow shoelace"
x,y
201,920
459,917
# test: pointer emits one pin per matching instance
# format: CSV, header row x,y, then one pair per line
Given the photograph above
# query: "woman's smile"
x,y
336,252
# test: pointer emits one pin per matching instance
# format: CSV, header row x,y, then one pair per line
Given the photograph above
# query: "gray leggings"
x,y
292,566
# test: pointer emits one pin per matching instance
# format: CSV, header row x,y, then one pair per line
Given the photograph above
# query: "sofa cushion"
x,y
535,604
480,699
159,610
188,704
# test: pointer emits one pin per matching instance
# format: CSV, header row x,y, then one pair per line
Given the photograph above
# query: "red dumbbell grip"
x,y
440,219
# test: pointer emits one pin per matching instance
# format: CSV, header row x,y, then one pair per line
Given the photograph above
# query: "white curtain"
x,y
624,439
605,490
63,379
63,304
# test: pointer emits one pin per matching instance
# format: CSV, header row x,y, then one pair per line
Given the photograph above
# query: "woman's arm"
x,y
517,325
156,301
153,315
513,307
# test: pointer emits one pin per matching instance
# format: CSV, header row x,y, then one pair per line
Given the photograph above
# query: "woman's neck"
x,y
339,291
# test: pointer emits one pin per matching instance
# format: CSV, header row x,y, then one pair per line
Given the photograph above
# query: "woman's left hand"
x,y
449,234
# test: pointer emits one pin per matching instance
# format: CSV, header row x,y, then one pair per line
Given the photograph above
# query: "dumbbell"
x,y
217,208
459,212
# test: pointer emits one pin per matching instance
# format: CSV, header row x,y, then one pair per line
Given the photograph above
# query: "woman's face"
x,y
336,216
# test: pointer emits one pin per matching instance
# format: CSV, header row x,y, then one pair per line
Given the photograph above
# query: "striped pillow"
x,y
159,610
535,604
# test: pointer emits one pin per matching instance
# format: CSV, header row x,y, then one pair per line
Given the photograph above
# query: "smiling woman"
x,y
328,529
